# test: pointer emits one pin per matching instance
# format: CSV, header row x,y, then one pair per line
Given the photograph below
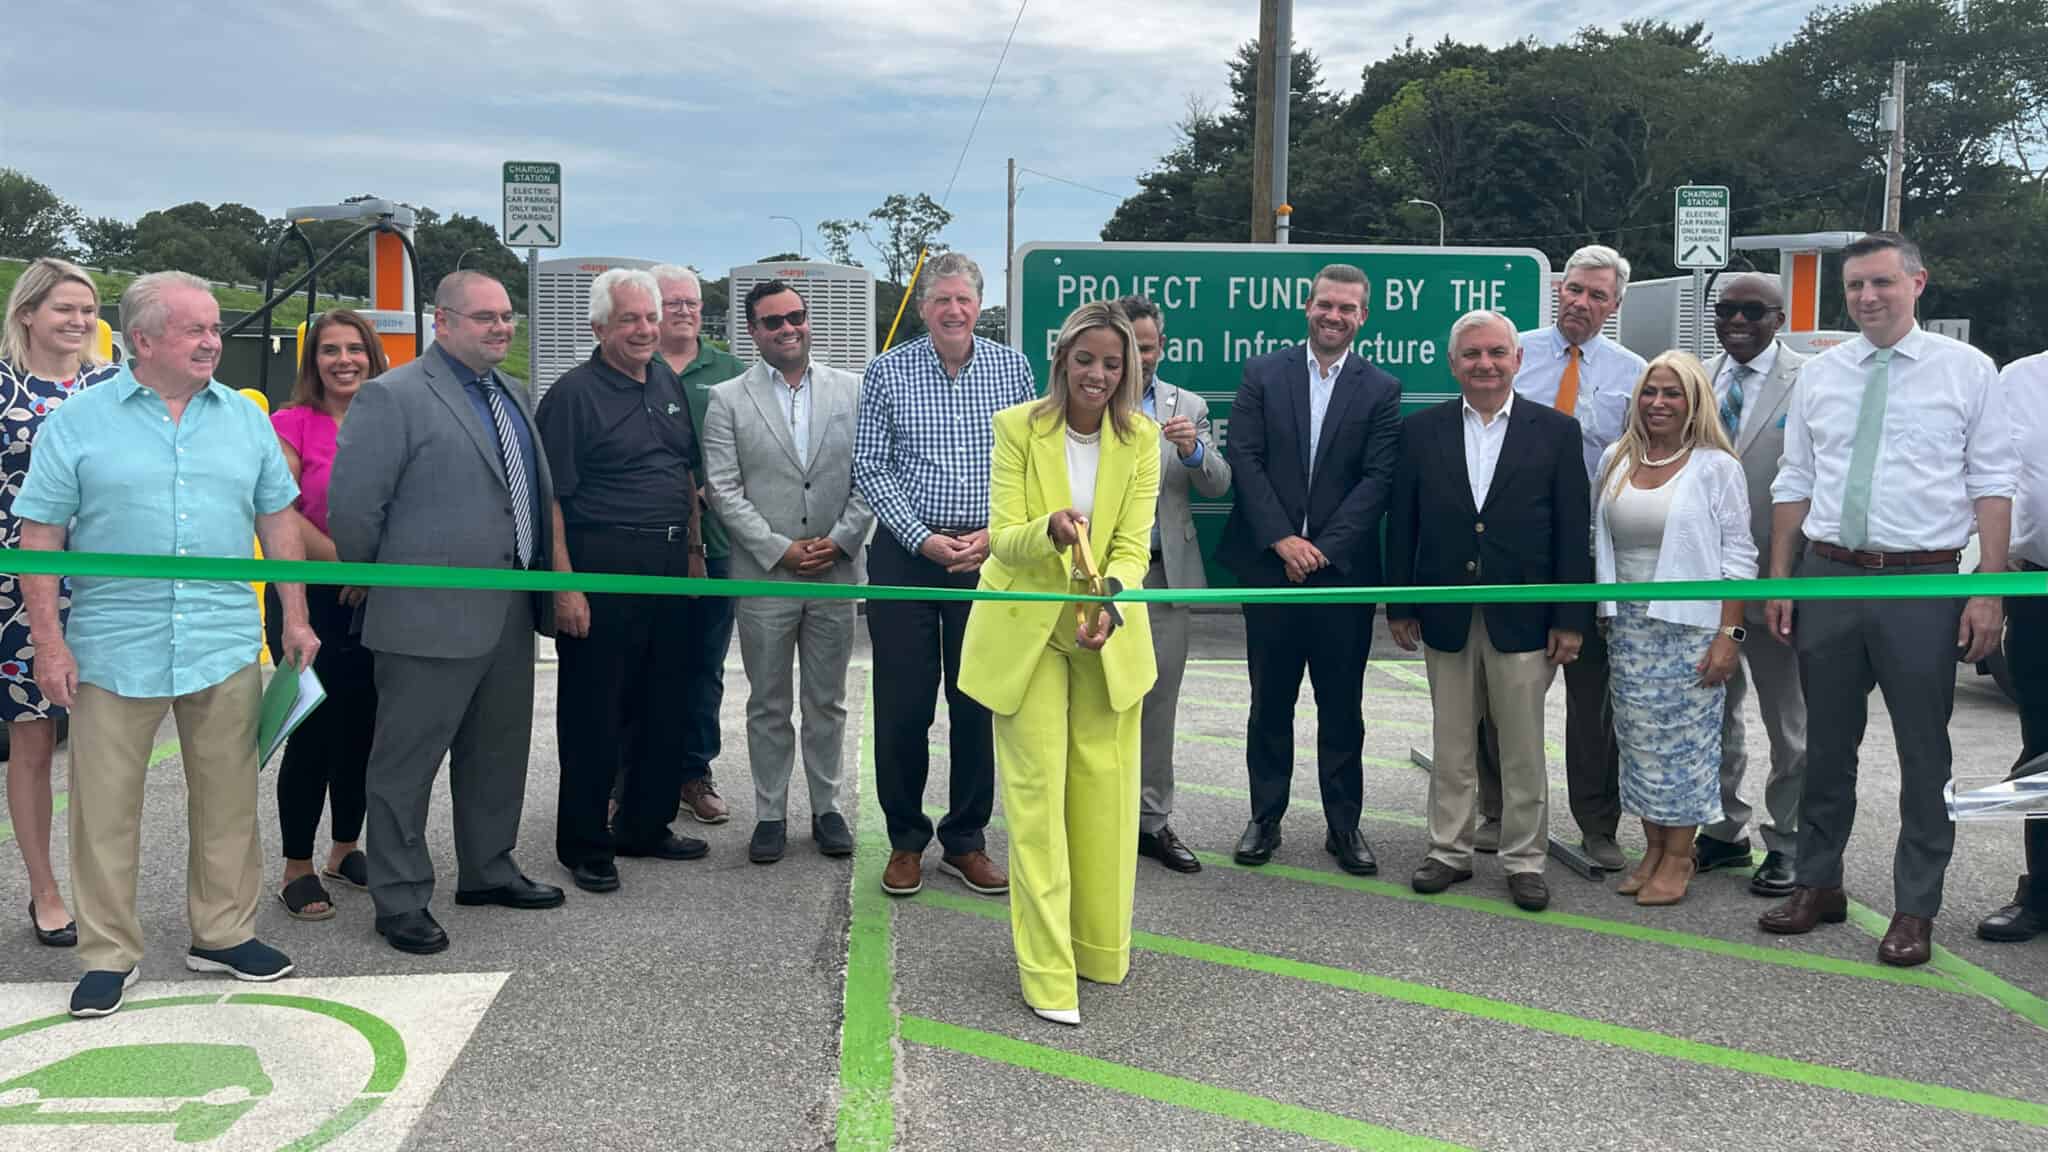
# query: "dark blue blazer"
x,y
1534,528
1345,499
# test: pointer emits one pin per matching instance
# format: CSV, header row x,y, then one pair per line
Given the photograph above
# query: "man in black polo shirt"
x,y
622,447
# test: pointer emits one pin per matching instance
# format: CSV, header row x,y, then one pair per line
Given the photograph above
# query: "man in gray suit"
x,y
1183,419
778,459
1753,379
438,464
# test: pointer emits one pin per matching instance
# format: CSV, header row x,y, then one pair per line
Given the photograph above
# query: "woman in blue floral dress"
x,y
46,355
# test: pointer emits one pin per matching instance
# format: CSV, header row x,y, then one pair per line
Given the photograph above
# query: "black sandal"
x,y
354,871
303,892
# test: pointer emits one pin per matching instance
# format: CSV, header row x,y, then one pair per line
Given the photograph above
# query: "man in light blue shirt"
x,y
162,460
1571,367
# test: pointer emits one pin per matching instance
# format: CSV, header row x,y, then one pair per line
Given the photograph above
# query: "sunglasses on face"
x,y
793,319
1751,310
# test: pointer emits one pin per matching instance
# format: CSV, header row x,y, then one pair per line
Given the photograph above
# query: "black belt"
x,y
669,532
955,531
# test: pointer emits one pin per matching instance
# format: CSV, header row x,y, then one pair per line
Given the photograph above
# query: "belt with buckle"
x,y
954,531
1841,555
668,532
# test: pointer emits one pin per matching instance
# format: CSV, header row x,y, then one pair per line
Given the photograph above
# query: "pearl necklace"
x,y
1671,459
1079,438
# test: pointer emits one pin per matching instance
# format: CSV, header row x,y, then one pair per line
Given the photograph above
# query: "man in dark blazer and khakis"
x,y
1491,489
439,464
1315,433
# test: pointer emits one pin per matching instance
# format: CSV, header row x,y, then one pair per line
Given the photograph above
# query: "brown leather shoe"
x,y
1908,942
977,871
1807,908
905,874
700,797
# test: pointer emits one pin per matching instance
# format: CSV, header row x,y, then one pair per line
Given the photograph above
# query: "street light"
x,y
1431,204
464,256
799,233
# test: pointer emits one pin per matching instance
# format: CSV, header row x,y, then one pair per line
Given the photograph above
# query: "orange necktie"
x,y
1568,387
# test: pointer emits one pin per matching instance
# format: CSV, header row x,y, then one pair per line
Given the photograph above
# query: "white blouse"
x,y
1706,534
1083,460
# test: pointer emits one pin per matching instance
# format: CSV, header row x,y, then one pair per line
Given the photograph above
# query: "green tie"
x,y
1863,455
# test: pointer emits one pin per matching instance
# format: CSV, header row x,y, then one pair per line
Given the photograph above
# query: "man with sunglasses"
x,y
1753,381
699,365
778,461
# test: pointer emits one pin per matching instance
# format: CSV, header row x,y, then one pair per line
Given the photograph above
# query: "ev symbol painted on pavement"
x,y
340,1064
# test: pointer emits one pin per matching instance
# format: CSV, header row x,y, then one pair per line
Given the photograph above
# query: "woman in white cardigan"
x,y
1672,504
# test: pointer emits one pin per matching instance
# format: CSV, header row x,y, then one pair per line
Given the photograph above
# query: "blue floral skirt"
x,y
1667,724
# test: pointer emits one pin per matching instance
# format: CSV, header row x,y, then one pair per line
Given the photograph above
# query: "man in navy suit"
x,y
1315,434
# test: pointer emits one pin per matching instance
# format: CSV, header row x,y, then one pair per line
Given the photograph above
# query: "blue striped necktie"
x,y
515,471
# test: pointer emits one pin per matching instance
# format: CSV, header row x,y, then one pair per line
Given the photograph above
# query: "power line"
x,y
1021,5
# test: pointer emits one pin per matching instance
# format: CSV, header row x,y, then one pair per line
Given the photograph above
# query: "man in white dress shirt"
x,y
2026,632
1894,442
1753,379
1571,367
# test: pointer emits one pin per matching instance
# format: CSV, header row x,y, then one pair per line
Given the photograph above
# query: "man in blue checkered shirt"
x,y
920,457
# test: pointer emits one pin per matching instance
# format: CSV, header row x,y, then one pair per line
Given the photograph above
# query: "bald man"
x,y
1753,380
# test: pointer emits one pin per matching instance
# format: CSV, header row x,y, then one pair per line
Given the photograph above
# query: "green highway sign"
x,y
533,204
1225,304
1699,231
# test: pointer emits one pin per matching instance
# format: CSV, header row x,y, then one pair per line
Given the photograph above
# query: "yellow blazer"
x,y
1027,484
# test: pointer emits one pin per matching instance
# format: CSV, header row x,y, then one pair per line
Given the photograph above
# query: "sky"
x,y
683,127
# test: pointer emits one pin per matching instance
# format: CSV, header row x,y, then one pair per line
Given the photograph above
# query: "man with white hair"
x,y
1571,367
700,365
623,451
161,459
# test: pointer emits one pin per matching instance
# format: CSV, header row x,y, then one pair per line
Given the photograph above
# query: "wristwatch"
x,y
1735,632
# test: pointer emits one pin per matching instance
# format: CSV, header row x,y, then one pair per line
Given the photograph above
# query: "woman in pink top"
x,y
326,756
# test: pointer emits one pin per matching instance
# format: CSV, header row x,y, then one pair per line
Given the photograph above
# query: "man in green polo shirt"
x,y
700,365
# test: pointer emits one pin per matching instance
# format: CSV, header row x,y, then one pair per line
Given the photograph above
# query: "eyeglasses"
x,y
793,319
1750,310
486,319
681,305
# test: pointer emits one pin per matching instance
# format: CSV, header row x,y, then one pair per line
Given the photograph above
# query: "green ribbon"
x,y
113,565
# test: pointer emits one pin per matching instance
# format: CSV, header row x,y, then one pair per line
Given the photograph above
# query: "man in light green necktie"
x,y
1925,415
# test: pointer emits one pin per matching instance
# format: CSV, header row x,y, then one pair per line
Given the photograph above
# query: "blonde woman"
x,y
1066,694
1671,504
46,356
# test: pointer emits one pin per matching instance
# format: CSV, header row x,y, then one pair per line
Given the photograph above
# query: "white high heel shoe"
x,y
1071,1017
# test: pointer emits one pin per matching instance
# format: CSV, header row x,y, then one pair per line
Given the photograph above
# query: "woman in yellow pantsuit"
x,y
1066,695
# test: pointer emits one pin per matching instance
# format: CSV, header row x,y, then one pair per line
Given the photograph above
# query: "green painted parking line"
x,y
61,801
867,1034
1551,748
1947,1099
2019,1001
1174,1090
1406,676
1378,815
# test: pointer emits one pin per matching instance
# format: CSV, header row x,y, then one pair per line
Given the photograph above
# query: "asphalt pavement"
x,y
717,1004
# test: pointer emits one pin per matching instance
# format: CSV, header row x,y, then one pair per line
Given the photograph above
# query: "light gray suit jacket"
x,y
418,480
762,495
1761,441
1180,551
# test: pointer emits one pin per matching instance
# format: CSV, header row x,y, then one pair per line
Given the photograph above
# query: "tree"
x,y
33,221
470,242
899,230
106,242
837,237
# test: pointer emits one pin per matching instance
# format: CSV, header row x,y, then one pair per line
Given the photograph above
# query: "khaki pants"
x,y
110,741
1482,682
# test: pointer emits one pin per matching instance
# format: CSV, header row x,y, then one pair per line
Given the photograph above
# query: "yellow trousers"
x,y
1069,772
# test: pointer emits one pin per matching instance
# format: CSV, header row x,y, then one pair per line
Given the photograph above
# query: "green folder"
x,y
287,701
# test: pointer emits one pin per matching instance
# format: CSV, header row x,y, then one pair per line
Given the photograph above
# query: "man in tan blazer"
x,y
1188,461
1753,379
778,459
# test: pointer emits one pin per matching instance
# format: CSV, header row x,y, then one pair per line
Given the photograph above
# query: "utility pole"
x,y
1262,125
1009,238
1893,115
1283,93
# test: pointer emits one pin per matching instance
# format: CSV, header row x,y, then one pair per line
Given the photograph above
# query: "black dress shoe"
x,y
666,848
67,936
832,835
1774,877
1259,842
2015,923
415,932
1709,854
521,893
769,839
1353,854
1166,848
596,877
